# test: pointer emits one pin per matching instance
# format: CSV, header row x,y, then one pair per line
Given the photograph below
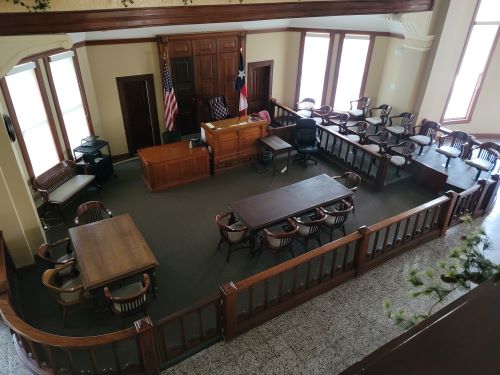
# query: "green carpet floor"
x,y
179,226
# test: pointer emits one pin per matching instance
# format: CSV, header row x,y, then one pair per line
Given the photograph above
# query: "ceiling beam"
x,y
110,19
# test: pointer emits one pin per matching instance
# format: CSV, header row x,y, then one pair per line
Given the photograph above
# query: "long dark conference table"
x,y
262,210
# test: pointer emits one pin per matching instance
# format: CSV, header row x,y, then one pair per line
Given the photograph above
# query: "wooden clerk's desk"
x,y
234,142
173,164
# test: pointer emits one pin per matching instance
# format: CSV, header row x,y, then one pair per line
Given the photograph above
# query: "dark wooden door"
x,y
206,84
260,81
140,118
184,86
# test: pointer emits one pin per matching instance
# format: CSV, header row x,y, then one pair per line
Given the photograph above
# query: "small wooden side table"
x,y
276,145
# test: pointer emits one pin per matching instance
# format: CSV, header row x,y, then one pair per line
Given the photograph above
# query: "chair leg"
x,y
306,242
220,243
331,234
447,163
228,253
421,149
478,174
343,230
291,252
319,240
397,171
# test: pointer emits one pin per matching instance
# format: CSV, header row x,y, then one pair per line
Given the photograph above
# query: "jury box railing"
x,y
149,346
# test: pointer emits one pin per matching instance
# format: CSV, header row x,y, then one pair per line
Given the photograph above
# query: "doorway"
x,y
183,79
260,82
140,118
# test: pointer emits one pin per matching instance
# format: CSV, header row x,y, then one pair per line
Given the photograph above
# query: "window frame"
x,y
479,84
15,121
60,117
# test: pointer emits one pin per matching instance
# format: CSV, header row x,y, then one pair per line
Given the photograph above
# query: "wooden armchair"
x,y
321,115
351,181
129,299
379,116
400,125
58,254
70,293
232,233
310,227
336,216
359,108
360,128
426,133
378,142
338,122
305,107
90,212
486,158
403,157
276,242
453,145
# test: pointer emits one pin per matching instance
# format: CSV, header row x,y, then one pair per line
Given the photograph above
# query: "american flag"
x,y
170,102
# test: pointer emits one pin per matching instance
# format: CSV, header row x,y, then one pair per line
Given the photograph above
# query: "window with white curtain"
x,y
351,70
316,46
32,118
477,52
69,97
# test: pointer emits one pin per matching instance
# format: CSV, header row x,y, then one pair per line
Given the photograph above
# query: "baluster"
x,y
341,144
50,358
72,361
321,264
116,359
424,226
435,215
183,332
347,153
406,229
93,361
327,140
346,255
370,166
308,274
414,231
334,263
395,239
250,301
32,349
200,324
386,237
266,293
375,243
280,286
362,160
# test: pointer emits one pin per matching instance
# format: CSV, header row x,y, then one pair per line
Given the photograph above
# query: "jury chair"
x,y
70,293
453,145
129,299
485,159
90,212
232,233
359,108
378,142
305,107
359,128
402,157
218,108
277,242
338,122
378,116
321,115
425,135
57,254
351,181
336,216
400,125
309,227
306,140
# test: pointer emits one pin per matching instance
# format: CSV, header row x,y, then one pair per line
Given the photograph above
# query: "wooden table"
x,y
262,210
110,250
173,164
277,145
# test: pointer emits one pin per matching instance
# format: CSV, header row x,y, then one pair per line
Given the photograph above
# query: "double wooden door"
x,y
203,66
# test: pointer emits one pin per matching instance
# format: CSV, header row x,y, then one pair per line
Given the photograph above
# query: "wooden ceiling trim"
x,y
110,19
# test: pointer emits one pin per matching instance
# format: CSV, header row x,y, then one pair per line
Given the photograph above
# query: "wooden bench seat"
x,y
59,184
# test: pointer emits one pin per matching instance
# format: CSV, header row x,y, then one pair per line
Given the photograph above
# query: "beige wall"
x,y
106,62
390,74
283,48
376,70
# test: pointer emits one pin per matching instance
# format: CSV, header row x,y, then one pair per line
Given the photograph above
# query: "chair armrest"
x,y
414,129
442,139
353,101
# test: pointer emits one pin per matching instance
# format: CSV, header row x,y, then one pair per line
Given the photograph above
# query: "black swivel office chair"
x,y
306,140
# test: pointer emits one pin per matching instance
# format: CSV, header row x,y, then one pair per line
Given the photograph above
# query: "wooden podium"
x,y
173,164
234,142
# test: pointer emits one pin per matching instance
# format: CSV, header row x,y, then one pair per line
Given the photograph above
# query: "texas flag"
x,y
242,87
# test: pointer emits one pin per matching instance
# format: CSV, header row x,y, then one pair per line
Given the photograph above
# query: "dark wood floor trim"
x,y
109,19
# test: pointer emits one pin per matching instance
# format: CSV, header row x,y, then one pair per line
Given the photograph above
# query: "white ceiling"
x,y
374,22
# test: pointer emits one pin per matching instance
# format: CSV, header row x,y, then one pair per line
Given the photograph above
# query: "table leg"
x,y
288,161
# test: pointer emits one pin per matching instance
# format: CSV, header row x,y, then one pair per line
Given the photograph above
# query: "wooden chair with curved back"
x,y
453,145
400,125
282,241
338,122
403,156
305,107
485,159
379,116
351,181
426,133
57,254
232,233
359,128
309,228
336,216
129,299
321,115
69,293
92,211
378,142
359,108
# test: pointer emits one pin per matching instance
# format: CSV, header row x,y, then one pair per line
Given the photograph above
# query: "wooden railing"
x,y
371,165
146,347
283,119
189,330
